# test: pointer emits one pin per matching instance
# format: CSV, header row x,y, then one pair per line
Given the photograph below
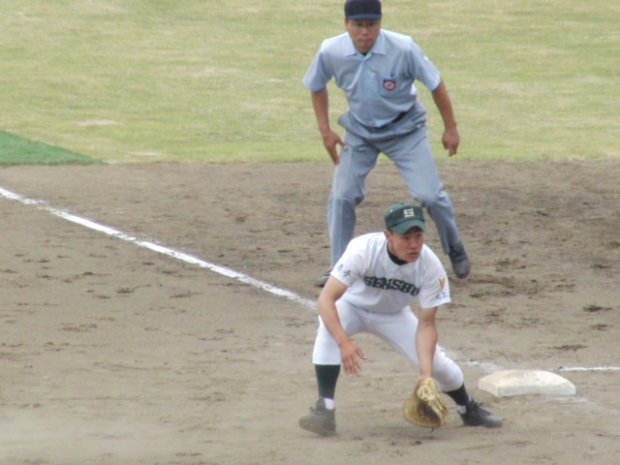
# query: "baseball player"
x,y
376,69
371,289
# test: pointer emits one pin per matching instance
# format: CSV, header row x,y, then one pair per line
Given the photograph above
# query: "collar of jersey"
x,y
394,258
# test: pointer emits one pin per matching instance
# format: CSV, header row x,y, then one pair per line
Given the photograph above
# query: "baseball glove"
x,y
424,406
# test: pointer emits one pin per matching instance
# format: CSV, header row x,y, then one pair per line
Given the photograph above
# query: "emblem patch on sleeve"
x,y
442,294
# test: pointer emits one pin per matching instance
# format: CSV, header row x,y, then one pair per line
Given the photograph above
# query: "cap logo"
x,y
400,218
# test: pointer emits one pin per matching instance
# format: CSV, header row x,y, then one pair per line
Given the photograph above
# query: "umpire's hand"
x,y
331,141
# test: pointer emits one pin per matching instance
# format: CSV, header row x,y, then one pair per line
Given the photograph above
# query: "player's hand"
x,y
331,141
352,357
451,140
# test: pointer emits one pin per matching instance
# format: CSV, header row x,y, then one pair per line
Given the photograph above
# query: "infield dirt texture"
x,y
113,354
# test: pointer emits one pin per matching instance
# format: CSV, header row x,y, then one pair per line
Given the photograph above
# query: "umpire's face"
x,y
363,32
406,247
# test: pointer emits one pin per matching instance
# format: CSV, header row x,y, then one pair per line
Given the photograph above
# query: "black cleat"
x,y
477,416
320,420
323,279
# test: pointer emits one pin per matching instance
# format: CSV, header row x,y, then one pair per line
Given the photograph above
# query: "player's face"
x,y
408,246
363,32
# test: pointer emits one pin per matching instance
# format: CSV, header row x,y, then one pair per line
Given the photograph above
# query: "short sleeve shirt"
x,y
379,285
379,85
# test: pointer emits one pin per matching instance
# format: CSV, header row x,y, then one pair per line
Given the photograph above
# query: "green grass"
x,y
15,150
220,80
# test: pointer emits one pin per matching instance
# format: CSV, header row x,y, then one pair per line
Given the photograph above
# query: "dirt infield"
x,y
114,354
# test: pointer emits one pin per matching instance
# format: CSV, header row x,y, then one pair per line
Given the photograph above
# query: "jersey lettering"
x,y
391,284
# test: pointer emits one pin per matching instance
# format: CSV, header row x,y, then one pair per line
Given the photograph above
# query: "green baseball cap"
x,y
401,217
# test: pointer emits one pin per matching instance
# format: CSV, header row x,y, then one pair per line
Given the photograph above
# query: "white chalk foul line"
x,y
222,270
161,249
601,368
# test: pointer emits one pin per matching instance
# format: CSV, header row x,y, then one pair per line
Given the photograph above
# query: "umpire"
x,y
376,69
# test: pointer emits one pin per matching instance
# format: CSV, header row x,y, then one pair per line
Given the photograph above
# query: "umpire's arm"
x,y
451,137
331,139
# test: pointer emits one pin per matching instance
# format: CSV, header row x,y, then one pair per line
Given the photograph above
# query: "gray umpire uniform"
x,y
384,116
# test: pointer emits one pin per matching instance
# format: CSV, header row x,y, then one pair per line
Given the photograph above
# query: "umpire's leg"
x,y
413,156
357,159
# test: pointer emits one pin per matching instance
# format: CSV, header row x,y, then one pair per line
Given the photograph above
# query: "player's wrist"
x,y
422,375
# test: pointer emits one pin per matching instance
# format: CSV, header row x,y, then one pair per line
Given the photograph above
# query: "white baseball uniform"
x,y
378,300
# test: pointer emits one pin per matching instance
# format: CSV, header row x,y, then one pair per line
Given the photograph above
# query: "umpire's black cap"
x,y
362,9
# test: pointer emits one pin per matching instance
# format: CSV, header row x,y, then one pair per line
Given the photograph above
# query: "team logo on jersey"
x,y
391,284
389,84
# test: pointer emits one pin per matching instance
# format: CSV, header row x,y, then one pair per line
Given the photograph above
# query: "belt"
x,y
395,120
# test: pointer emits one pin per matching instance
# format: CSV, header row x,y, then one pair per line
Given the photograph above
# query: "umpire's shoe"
x,y
323,279
320,420
460,260
475,415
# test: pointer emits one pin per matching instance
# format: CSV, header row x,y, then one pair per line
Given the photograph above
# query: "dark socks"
x,y
460,396
327,376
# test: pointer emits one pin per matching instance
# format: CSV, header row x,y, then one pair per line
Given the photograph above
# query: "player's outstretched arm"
x,y
351,355
426,341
